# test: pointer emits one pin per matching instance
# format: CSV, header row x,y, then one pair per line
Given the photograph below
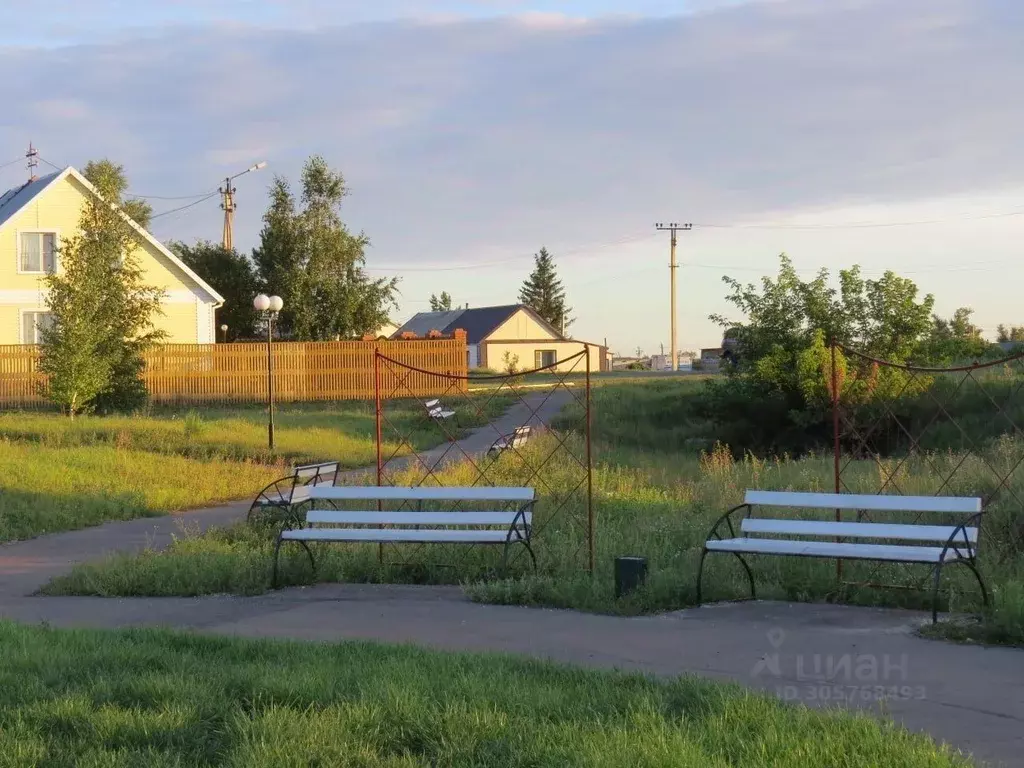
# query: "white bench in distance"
x,y
294,489
934,545
415,525
436,411
517,439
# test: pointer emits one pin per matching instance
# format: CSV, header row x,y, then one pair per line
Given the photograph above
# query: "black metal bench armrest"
x,y
951,542
727,519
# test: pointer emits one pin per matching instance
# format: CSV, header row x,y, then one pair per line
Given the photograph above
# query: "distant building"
x,y
711,358
496,335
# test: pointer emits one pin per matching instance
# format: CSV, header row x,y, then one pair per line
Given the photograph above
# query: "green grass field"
x,y
654,496
144,697
58,475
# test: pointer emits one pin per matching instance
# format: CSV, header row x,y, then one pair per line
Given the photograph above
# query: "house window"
x,y
542,358
37,251
32,325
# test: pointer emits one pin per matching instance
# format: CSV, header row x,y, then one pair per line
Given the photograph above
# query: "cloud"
x,y
512,132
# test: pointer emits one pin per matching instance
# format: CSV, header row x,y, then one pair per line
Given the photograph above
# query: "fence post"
x,y
590,474
835,442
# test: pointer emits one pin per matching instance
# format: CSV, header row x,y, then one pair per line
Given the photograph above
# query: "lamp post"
x,y
224,332
269,306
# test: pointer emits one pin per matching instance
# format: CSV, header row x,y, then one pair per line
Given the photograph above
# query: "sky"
x,y
884,133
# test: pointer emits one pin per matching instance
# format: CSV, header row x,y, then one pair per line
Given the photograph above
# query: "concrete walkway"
x,y
969,696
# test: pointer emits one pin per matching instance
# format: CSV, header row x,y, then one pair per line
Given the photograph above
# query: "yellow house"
x,y
36,216
499,336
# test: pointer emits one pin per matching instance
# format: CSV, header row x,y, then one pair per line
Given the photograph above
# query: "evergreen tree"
x,y
309,258
442,303
543,292
231,274
100,305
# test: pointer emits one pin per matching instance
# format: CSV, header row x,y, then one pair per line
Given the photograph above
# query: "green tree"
x,y
442,303
955,340
1013,333
542,292
309,258
110,180
101,307
233,276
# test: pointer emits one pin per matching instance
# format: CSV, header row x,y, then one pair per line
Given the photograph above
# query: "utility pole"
x,y
228,205
673,227
33,161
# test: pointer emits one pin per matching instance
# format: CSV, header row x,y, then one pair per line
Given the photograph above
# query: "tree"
x,y
309,258
1013,333
111,182
101,307
542,292
232,275
955,340
442,303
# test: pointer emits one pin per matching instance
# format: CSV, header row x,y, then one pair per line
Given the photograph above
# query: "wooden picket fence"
x,y
237,373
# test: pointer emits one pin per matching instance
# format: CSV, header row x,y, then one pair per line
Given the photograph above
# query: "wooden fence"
x,y
209,373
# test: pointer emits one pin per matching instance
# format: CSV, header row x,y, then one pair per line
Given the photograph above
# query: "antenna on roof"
x,y
33,161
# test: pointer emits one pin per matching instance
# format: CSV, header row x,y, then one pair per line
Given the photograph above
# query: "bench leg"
x,y
935,593
974,570
277,552
530,550
700,574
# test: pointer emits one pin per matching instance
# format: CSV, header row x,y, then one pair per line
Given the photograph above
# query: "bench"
x,y
517,439
295,488
934,545
437,411
451,526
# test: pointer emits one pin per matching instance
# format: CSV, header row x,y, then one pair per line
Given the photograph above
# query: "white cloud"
x,y
462,136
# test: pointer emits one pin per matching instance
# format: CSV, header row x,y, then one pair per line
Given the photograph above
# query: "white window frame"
x,y
37,231
23,316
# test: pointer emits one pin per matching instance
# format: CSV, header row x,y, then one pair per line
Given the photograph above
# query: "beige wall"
x,y
493,352
520,326
188,311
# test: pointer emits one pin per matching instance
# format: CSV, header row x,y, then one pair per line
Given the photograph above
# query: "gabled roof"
x,y
478,323
13,200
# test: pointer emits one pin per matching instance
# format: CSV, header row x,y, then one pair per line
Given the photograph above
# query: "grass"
x,y
145,697
651,497
58,475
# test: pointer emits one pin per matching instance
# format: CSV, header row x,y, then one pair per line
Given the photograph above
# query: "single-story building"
x,y
499,336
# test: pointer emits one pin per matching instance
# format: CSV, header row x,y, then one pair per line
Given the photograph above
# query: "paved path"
x,y
972,697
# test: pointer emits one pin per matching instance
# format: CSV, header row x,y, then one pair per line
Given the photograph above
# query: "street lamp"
x,y
269,306
224,331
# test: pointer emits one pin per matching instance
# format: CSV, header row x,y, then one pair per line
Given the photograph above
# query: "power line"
x,y
183,207
868,224
55,167
12,162
135,196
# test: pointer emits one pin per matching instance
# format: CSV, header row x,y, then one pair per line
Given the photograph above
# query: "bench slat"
x,y
322,516
857,530
852,551
955,504
422,493
397,534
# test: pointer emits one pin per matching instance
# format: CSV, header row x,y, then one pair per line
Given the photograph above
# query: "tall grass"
x,y
648,501
156,698
58,475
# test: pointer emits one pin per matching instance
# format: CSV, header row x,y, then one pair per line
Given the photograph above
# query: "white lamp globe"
x,y
261,302
276,303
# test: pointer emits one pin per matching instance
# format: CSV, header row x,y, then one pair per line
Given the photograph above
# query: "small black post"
x,y
630,574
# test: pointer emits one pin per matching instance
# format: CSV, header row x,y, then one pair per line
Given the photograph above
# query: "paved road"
x,y
970,696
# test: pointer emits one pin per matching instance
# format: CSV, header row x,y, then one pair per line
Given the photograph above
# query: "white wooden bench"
x,y
934,545
451,526
517,439
437,411
295,488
